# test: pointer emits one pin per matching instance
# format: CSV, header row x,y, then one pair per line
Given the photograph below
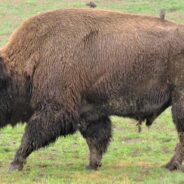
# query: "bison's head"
x,y
14,106
4,94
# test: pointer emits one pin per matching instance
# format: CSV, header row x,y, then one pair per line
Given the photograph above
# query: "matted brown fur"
x,y
71,69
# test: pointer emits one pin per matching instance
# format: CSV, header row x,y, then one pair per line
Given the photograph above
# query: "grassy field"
x,y
132,157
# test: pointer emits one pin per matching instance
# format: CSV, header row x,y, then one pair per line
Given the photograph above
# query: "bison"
x,y
69,70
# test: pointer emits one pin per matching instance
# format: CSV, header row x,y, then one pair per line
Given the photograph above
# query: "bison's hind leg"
x,y
178,116
44,127
97,134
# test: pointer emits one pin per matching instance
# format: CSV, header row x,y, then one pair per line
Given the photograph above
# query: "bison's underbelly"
x,y
130,100
139,105
148,103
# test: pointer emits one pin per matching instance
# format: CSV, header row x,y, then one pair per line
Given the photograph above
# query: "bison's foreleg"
x,y
176,162
97,135
178,117
43,128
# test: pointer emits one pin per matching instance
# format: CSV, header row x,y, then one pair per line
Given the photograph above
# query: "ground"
x,y
132,157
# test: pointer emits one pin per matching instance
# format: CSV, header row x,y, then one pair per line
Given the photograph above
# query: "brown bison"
x,y
69,70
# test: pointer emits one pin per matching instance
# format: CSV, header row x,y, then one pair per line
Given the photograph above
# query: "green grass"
x,y
132,157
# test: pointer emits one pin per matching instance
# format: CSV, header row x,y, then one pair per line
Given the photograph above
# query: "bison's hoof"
x,y
15,166
93,167
172,166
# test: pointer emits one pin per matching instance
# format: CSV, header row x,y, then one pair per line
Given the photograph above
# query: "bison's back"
x,y
96,53
63,31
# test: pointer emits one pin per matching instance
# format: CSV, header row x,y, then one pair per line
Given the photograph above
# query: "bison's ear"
x,y
3,74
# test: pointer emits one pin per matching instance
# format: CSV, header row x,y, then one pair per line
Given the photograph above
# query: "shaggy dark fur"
x,y
97,134
71,69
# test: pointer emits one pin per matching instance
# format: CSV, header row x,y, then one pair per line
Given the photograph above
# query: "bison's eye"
x,y
3,74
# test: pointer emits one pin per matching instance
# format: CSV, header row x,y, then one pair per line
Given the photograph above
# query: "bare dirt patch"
x,y
132,140
134,164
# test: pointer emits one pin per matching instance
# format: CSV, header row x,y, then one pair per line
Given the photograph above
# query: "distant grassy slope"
x,y
131,158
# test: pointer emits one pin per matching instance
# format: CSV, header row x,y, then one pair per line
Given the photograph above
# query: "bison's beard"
x,y
5,109
14,107
3,121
